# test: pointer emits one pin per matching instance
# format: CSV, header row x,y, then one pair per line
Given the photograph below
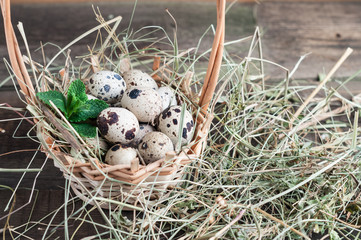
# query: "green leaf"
x,y
73,104
90,109
85,129
56,97
77,90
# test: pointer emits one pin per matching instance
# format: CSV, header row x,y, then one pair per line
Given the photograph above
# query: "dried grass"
x,y
278,165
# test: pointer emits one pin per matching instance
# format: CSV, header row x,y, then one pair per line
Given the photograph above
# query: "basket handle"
x,y
19,68
215,60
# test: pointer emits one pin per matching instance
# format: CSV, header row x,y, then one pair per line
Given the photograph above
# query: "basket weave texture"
x,y
95,178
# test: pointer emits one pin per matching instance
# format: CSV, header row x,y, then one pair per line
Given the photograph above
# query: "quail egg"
x,y
154,146
168,97
107,85
143,129
145,103
120,154
168,123
138,78
118,125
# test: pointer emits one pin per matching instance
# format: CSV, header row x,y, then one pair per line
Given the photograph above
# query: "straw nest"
x,y
54,100
281,160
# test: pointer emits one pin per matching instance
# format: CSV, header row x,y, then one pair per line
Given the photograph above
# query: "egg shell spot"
x,y
184,134
144,146
130,134
134,93
103,126
112,118
107,88
189,126
115,147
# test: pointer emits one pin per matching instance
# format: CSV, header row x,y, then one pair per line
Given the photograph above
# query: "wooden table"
x,y
290,29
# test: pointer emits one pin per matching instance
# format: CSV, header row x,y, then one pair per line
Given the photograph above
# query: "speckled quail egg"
x,y
168,97
107,85
118,125
154,146
138,78
143,129
145,103
120,154
168,123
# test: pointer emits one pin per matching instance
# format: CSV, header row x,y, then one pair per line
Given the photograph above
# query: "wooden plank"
x,y
62,23
323,28
72,1
292,29
140,1
183,1
14,136
32,220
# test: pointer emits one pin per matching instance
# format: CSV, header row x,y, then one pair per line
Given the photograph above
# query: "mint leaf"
x,y
73,104
90,109
56,97
85,129
77,90
77,107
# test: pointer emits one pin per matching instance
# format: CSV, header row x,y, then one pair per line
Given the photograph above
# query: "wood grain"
x,y
59,24
40,212
289,29
14,137
140,1
292,29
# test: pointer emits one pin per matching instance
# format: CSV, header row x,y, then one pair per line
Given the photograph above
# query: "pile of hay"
x,y
281,161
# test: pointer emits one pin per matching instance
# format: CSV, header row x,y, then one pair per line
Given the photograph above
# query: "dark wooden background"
x,y
290,29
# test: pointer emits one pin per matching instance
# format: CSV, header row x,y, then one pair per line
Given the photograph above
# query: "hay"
x,y
278,165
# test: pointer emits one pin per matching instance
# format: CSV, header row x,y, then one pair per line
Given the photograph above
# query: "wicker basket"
x,y
93,179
